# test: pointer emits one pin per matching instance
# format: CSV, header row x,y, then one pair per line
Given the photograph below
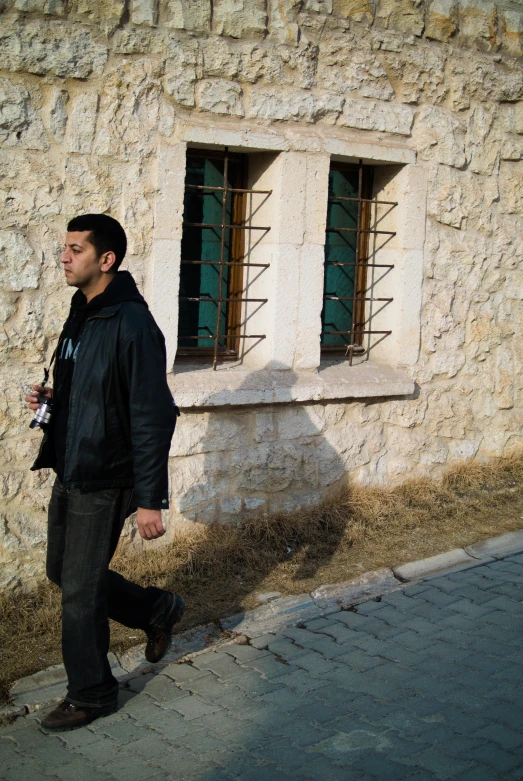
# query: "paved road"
x,y
424,684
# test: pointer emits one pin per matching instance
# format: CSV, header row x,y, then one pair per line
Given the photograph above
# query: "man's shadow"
x,y
293,465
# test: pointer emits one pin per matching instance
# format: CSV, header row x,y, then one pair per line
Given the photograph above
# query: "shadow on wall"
x,y
248,462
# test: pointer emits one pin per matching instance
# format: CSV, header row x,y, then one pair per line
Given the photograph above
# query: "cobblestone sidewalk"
x,y
423,683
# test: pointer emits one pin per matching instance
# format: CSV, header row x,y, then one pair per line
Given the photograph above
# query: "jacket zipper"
x,y
94,317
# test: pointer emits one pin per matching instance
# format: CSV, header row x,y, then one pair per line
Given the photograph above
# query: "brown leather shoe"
x,y
168,613
68,716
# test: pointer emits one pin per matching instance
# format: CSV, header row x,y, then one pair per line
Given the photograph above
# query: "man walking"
x,y
108,441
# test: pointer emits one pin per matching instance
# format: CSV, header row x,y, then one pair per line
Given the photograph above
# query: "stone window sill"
x,y
238,386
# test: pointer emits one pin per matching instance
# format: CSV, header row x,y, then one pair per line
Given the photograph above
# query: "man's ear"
x,y
108,260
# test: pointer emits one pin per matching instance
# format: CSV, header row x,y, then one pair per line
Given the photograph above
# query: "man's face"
x,y
82,267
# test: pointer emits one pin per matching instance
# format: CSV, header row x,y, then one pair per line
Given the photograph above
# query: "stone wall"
x,y
88,91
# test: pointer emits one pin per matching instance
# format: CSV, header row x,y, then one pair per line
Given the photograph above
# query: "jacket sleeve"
x,y
152,415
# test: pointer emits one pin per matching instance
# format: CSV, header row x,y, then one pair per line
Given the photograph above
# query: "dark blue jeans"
x,y
83,533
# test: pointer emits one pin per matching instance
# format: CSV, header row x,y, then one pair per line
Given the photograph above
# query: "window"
x,y
215,250
353,225
277,316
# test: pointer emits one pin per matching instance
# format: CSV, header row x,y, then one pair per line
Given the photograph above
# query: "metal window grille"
x,y
368,217
230,231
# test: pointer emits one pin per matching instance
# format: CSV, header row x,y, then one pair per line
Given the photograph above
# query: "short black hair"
x,y
106,234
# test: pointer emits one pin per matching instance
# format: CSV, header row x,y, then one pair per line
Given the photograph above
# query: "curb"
x,y
46,687
453,561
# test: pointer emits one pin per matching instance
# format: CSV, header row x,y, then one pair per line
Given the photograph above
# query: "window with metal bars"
x,y
353,226
217,218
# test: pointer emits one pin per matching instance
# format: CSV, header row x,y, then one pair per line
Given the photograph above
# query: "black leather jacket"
x,y
121,413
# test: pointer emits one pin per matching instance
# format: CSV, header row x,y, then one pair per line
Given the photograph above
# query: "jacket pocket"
x,y
118,451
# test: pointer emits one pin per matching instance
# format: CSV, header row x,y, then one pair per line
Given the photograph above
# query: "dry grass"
x,y
220,569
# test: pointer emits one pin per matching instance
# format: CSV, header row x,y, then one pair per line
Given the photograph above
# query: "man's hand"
x,y
32,398
149,523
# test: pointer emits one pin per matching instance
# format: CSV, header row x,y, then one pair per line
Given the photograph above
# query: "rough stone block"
x,y
129,113
180,71
203,432
58,114
220,97
359,10
180,85
283,25
441,136
239,18
442,22
371,115
145,12
296,423
19,269
478,23
29,6
231,505
51,7
512,148
220,58
294,105
82,123
318,6
404,15
193,15
41,46
511,23
20,124
169,209
107,13
252,503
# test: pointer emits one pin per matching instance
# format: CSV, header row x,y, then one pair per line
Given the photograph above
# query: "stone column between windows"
x,y
163,273
412,218
407,186
293,285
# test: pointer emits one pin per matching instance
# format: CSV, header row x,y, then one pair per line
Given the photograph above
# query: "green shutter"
x,y
198,318
340,247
